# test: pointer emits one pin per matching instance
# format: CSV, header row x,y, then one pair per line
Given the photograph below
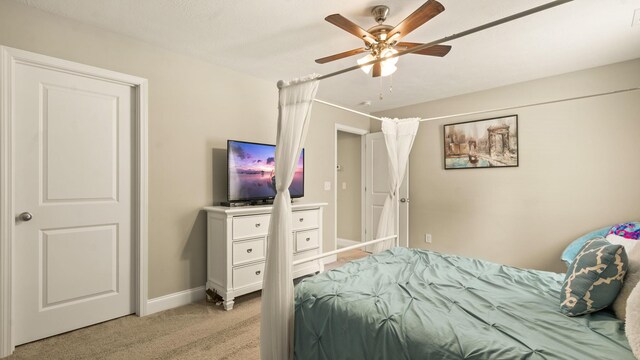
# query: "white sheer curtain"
x,y
398,136
276,327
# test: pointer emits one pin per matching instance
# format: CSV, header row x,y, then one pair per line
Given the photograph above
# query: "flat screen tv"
x,y
251,172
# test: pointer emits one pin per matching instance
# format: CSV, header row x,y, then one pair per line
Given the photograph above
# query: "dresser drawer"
x,y
306,219
250,226
247,275
306,240
248,251
304,255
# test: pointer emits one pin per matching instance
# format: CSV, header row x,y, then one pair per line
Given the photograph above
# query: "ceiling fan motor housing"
x,y
380,13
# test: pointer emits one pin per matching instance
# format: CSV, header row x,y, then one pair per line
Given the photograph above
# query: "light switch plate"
x,y
636,18
344,185
427,238
327,185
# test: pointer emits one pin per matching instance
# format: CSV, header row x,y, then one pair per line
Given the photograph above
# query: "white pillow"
x,y
632,325
628,244
630,281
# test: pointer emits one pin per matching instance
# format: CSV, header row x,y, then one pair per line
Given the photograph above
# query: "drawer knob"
x,y
301,219
308,239
258,225
249,251
258,272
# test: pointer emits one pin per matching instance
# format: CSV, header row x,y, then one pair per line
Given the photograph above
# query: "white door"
x,y
72,180
377,188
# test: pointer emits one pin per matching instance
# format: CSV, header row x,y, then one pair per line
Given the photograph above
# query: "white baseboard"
x,y
174,300
346,242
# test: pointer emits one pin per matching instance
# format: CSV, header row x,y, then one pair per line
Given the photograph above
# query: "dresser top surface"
x,y
259,209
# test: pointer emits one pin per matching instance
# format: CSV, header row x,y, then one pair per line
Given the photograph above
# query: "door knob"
x,y
25,216
404,200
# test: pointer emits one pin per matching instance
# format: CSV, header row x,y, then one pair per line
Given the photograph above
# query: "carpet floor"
x,y
197,331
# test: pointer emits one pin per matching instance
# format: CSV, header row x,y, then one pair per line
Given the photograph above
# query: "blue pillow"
x,y
571,251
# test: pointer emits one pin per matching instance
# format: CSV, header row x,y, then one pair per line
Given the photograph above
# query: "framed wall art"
x,y
485,143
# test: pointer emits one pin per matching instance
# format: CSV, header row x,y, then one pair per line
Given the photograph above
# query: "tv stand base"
x,y
247,203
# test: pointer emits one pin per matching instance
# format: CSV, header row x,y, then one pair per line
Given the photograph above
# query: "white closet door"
x,y
72,146
377,188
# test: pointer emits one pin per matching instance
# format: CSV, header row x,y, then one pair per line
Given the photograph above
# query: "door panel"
x,y
89,119
72,137
64,251
377,188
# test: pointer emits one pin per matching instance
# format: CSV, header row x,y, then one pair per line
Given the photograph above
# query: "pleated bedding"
x,y
417,304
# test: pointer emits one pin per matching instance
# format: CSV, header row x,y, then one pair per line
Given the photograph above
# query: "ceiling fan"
x,y
383,40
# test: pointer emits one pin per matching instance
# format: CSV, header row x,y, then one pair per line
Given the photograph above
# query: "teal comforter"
x,y
416,304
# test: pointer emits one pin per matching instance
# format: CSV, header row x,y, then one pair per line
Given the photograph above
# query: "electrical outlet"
x,y
427,238
344,185
327,185
636,18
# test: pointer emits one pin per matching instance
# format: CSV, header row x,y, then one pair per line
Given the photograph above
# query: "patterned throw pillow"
x,y
625,234
594,278
630,230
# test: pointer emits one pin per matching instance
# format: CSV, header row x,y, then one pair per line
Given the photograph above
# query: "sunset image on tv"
x,y
252,172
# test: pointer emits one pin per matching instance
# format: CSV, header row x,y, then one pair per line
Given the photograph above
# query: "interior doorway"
x,y
73,208
376,190
349,186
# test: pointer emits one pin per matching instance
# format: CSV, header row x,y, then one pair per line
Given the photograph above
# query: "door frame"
x,y
9,57
361,133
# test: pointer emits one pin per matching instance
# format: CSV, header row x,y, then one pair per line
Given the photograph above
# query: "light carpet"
x,y
197,331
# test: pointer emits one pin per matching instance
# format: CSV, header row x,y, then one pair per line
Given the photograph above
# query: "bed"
x,y
417,304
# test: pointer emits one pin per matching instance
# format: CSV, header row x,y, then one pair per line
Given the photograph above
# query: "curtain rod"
x,y
533,104
444,39
489,110
347,109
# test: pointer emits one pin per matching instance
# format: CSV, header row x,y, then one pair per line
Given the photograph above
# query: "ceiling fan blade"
x,y
348,26
423,14
341,55
435,50
377,70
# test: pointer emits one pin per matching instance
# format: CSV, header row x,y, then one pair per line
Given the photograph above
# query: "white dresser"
x,y
237,246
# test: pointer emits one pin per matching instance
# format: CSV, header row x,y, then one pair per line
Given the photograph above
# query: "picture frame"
x,y
484,143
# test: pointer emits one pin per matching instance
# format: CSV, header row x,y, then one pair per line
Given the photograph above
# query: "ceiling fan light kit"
x,y
387,67
381,41
366,68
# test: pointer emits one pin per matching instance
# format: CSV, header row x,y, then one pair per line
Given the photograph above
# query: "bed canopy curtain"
x,y
398,136
294,110
276,327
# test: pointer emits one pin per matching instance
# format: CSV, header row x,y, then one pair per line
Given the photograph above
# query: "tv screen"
x,y
251,172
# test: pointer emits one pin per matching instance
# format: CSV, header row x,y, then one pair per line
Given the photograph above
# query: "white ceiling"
x,y
279,39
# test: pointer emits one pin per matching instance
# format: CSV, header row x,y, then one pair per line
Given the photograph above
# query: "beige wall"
x,y
194,107
320,152
578,170
349,199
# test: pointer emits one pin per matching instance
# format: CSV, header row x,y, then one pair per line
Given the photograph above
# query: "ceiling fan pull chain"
x,y
391,84
381,96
